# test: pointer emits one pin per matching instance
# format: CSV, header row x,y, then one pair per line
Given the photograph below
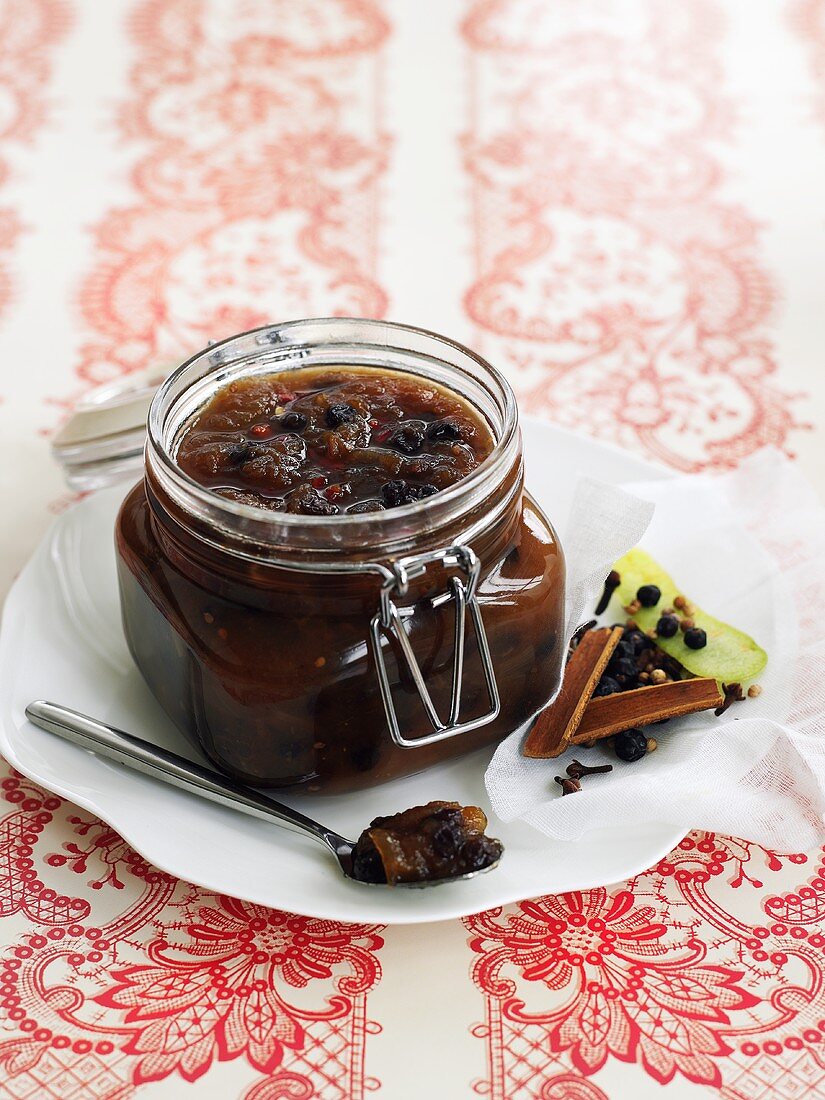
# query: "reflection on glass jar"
x,y
266,634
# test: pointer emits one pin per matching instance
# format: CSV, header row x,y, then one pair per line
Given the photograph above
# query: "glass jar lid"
x,y
103,441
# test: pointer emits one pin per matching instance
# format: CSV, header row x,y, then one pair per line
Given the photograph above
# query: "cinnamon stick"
x,y
610,714
556,724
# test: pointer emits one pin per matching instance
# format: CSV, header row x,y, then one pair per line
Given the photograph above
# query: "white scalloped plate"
x,y
62,640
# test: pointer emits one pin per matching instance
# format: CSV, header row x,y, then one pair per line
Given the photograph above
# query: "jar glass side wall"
x,y
276,684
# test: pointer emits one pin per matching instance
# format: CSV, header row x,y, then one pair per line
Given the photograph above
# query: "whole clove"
x,y
568,785
611,583
577,770
732,694
580,632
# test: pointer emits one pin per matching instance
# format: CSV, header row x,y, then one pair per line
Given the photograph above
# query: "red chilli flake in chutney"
x,y
330,440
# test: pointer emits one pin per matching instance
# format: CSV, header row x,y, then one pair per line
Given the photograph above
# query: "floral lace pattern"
x,y
168,981
256,197
663,973
623,295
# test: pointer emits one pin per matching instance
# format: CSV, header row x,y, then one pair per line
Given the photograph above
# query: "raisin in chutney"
x,y
331,574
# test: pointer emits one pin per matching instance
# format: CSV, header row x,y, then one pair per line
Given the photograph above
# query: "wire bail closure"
x,y
389,618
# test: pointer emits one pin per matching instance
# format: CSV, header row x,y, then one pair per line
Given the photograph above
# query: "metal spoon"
x,y
176,771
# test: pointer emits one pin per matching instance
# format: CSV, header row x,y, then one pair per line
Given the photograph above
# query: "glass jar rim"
x,y
304,343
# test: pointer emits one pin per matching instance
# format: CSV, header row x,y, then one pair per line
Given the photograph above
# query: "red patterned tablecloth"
x,y
620,202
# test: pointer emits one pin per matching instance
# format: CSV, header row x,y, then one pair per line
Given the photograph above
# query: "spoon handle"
x,y
175,770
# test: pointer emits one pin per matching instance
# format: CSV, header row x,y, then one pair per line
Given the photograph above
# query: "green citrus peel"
x,y
730,654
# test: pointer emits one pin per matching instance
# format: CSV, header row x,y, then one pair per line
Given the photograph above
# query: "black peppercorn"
x,y
649,595
624,670
667,626
637,639
607,686
630,745
696,638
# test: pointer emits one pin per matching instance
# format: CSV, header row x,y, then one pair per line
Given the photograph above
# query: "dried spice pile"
x,y
621,679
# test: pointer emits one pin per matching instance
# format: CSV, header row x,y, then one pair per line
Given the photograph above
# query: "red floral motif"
x,y
48,1052
631,987
105,845
703,855
257,197
21,888
28,33
783,960
803,906
623,295
753,997
281,1086
568,1087
214,986
83,1003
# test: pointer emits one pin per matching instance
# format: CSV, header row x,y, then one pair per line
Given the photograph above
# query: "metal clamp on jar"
x,y
390,618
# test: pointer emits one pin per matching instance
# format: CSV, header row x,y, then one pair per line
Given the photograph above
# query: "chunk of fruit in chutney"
x,y
425,843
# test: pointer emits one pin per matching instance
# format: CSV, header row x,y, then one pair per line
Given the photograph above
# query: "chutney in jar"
x,y
326,441
249,612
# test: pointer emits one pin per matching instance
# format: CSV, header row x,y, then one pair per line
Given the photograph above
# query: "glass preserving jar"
x,y
332,653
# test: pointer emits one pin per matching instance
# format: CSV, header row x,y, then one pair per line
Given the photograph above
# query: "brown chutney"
x,y
325,441
250,619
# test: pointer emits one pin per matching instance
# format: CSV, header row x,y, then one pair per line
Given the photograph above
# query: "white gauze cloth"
x,y
748,547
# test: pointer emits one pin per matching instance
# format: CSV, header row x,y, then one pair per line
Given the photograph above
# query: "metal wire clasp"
x,y
388,618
